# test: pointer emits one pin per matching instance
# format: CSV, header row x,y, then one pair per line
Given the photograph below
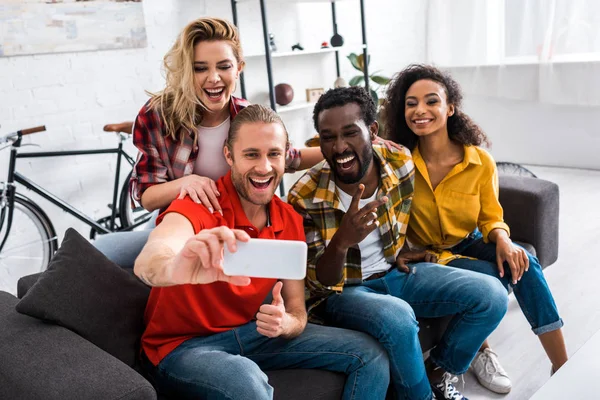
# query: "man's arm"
x,y
153,265
330,266
173,255
292,293
309,157
355,226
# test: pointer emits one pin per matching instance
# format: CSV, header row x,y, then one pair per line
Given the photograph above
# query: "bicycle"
x,y
28,235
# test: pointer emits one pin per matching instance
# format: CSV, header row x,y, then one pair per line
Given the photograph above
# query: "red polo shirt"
x,y
177,313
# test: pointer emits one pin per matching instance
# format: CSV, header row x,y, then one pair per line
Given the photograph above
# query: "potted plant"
x,y
376,82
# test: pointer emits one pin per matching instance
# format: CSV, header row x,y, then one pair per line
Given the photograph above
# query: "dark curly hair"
x,y
340,97
461,128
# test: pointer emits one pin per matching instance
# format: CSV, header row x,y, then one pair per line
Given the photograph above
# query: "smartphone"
x,y
266,258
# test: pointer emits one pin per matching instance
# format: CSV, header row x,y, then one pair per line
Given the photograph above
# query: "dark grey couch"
x,y
39,360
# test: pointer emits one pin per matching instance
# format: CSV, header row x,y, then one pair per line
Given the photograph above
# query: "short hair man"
x,y
355,206
201,339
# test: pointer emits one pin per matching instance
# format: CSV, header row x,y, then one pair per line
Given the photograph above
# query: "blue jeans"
x,y
229,365
532,291
122,248
387,308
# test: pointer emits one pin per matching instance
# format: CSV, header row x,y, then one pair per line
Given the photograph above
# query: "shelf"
x,y
295,105
306,52
294,1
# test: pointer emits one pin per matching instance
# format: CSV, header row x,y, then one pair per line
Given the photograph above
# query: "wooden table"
x,y
578,378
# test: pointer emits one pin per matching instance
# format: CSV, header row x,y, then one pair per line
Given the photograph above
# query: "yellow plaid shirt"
x,y
314,197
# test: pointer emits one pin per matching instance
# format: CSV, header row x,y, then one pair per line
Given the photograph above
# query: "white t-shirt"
x,y
211,162
372,259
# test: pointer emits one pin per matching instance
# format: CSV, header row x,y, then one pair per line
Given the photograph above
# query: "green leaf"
x,y
357,80
354,61
380,80
375,96
360,61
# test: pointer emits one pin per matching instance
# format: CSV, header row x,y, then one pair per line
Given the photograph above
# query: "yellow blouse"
x,y
465,199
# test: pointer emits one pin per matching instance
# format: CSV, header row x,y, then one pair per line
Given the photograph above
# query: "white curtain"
x,y
535,50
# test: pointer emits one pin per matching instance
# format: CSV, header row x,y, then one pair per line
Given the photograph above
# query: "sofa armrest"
x,y
531,210
46,361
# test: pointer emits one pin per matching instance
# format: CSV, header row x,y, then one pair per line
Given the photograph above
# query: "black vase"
x,y
336,40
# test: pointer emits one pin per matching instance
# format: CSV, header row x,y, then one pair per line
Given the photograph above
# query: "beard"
x,y
364,162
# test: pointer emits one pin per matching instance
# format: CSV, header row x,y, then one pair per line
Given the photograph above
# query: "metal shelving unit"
x,y
269,55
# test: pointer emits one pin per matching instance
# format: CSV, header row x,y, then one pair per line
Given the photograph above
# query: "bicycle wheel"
x,y
131,217
30,245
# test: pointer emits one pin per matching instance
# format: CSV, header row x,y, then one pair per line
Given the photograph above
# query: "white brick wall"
x,y
75,94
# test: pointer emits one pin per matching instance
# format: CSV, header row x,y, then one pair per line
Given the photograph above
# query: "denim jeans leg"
x,y
355,354
122,248
210,367
478,303
532,291
369,308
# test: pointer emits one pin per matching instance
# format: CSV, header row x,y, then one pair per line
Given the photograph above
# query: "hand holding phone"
x,y
199,262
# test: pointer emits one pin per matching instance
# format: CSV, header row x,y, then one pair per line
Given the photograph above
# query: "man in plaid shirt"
x,y
355,205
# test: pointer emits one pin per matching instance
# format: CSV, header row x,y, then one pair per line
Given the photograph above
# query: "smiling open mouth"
x,y
261,183
345,162
214,93
422,121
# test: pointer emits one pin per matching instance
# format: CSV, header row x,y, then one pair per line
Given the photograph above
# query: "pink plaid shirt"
x,y
163,159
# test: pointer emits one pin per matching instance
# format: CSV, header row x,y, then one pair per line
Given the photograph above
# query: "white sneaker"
x,y
490,373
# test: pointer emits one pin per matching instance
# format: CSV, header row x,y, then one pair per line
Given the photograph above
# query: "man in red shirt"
x,y
207,334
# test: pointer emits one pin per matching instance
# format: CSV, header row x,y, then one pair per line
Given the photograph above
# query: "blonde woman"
x,y
180,131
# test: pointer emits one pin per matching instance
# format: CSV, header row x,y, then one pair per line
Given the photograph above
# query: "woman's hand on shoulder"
x,y
201,190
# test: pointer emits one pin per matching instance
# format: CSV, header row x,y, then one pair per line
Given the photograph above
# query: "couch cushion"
x,y
26,282
45,361
304,384
84,291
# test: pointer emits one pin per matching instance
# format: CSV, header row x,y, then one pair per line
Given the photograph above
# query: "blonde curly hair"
x,y
178,102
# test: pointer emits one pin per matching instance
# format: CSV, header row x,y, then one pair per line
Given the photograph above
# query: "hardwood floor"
x,y
575,283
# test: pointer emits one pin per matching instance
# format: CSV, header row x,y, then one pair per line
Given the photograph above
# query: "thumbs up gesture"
x,y
272,320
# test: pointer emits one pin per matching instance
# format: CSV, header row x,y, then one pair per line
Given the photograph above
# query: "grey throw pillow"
x,y
87,293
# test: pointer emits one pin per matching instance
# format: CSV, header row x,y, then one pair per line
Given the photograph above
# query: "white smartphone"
x,y
266,258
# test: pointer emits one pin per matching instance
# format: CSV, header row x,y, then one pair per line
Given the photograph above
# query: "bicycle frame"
x,y
14,176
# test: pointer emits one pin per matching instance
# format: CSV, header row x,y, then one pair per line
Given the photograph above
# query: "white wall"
x,y
75,94
528,132
536,115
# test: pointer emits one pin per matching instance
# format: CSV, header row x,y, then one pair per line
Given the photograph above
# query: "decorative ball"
x,y
284,94
340,83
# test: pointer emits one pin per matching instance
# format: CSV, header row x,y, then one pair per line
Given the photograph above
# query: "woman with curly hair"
x,y
456,217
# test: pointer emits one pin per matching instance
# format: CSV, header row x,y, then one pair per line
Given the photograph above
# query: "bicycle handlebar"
x,y
29,131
